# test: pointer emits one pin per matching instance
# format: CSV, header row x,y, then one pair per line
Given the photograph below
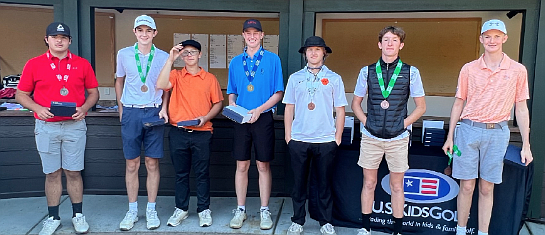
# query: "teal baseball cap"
x,y
494,24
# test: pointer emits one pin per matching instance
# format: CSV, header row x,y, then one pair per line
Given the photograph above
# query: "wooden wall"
x,y
21,172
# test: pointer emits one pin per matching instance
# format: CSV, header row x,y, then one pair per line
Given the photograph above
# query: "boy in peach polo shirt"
x,y
195,95
489,86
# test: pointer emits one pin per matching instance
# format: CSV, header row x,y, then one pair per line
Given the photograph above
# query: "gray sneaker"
x,y
49,226
128,222
266,221
80,225
295,229
205,218
177,217
238,219
153,221
328,229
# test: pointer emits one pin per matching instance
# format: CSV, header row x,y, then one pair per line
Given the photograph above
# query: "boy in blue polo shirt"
x,y
312,94
138,67
255,83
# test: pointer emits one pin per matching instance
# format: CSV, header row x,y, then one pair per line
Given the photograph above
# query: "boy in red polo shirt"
x,y
195,95
59,76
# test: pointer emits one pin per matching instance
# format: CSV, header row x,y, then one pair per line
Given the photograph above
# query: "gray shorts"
x,y
61,144
482,150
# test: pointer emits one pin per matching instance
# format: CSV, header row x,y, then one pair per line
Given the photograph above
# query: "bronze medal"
x,y
250,88
311,106
64,91
144,88
384,104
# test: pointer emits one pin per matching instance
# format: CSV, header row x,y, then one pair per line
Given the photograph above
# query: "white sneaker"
x,y
363,231
266,221
128,222
238,219
177,217
205,218
295,229
80,225
153,221
460,231
50,225
328,229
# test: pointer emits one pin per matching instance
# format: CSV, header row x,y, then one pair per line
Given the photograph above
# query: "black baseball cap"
x,y
192,43
252,23
57,28
315,41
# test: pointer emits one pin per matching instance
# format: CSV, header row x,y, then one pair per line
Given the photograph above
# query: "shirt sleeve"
x,y
416,87
361,83
522,86
173,77
120,70
461,89
289,94
339,96
215,90
26,82
278,77
90,77
231,86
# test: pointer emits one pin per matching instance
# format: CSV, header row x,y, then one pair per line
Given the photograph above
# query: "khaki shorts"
x,y
61,144
372,151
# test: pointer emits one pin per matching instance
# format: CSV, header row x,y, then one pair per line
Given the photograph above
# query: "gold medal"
x,y
384,104
64,91
311,106
250,88
144,88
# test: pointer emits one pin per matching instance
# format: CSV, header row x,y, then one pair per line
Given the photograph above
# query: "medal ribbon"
x,y
386,92
62,78
251,75
139,64
313,82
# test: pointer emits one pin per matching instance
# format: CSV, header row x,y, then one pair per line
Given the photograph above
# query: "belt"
x,y
191,130
141,106
498,125
186,129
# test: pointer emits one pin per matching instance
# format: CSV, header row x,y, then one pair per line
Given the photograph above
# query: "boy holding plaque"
x,y
196,95
388,83
140,102
61,78
255,83
312,133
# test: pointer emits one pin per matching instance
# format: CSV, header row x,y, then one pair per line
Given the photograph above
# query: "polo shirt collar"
x,y
139,52
200,74
50,56
323,68
505,62
246,54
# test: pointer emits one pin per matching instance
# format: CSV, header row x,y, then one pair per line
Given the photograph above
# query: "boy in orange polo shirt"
x,y
195,95
489,86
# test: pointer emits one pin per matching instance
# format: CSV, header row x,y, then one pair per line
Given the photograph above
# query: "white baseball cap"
x,y
494,24
144,20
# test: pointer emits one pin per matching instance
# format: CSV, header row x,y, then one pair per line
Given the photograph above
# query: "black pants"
x,y
191,149
319,157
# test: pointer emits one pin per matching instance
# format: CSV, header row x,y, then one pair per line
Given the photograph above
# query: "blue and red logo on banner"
x,y
425,186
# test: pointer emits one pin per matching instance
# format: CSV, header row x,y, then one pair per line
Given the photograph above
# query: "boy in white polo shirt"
x,y
312,95
138,67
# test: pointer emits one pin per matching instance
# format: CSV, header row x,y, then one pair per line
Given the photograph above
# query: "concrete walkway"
x,y
24,216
